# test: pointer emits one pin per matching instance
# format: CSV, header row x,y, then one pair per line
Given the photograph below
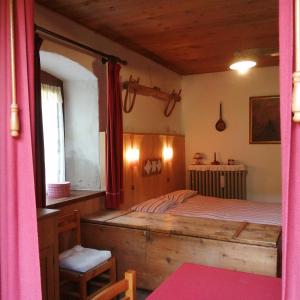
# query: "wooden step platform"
x,y
155,245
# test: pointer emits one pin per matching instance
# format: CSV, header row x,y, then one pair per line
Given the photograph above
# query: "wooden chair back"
x,y
70,222
126,285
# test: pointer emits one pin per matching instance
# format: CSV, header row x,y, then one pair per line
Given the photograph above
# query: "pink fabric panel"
x,y
290,149
20,272
196,282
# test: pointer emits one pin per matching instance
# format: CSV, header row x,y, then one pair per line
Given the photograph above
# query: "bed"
x,y
155,237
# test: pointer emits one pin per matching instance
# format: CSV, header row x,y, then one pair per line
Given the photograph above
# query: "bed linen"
x,y
193,205
229,210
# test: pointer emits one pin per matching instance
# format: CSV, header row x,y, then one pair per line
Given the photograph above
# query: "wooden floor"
x,y
142,294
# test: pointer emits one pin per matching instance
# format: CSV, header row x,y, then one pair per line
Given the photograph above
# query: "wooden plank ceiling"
x,y
187,36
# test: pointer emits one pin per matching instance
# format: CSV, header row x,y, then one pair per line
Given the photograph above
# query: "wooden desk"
x,y
199,282
48,244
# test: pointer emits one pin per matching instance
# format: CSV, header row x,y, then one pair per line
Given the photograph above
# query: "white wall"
x,y
81,113
202,95
81,134
147,115
198,112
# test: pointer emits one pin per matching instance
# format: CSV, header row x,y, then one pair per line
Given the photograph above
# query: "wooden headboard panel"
x,y
138,187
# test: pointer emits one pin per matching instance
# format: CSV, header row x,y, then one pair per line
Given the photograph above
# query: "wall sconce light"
x,y
167,153
132,155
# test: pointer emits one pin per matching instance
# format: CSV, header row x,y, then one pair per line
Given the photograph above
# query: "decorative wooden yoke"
x,y
134,88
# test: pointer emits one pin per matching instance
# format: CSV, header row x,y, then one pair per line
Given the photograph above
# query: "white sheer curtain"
x,y
53,127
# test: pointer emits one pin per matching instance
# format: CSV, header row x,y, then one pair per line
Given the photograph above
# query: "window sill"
x,y
75,196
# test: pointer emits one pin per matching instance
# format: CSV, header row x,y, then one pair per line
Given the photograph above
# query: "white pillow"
x,y
163,203
181,195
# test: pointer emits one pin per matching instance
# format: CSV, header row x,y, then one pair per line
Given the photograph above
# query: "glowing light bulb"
x,y
167,153
132,155
243,66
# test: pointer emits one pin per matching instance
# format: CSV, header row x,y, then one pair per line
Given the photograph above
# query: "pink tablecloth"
x,y
196,282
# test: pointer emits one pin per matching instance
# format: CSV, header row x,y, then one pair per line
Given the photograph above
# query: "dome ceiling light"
x,y
242,66
246,59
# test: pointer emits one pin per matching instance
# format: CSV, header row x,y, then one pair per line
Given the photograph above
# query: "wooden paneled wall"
x,y
138,187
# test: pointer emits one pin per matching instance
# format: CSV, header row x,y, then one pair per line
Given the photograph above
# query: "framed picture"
x,y
264,120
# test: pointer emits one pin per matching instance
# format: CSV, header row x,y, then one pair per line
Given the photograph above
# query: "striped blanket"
x,y
184,203
229,209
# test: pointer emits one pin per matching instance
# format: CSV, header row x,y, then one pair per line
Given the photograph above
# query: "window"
x,y
70,117
53,128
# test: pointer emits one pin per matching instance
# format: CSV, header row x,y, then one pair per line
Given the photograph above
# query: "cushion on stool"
x,y
82,259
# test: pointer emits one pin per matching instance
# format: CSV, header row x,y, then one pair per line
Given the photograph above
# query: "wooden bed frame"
x,y
155,245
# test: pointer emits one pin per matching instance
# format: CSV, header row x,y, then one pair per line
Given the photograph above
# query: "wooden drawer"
x,y
47,232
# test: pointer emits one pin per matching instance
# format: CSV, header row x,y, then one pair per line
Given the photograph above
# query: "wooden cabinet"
x,y
48,245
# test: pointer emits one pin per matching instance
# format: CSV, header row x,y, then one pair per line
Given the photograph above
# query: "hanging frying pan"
x,y
220,125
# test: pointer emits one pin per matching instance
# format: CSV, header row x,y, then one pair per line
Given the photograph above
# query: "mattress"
x,y
229,209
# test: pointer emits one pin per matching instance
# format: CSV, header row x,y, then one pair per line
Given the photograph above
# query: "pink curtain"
x,y
114,139
39,153
290,152
19,270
